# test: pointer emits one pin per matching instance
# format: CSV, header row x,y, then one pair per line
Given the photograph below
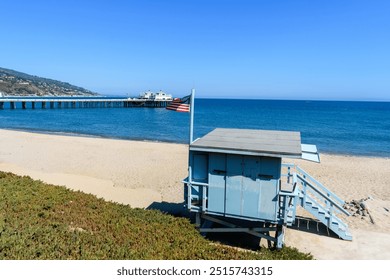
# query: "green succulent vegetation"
x,y
42,221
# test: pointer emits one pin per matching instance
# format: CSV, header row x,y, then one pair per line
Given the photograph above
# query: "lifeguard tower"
x,y
238,183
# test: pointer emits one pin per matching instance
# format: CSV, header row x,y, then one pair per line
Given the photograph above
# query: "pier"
x,y
52,103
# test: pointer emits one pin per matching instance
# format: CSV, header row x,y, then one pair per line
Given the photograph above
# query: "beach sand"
x,y
143,174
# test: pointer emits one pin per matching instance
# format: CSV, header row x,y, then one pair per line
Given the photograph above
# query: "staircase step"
x,y
342,228
348,236
314,204
337,226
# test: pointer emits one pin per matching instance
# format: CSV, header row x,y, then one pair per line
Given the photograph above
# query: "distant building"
x,y
159,96
146,95
162,96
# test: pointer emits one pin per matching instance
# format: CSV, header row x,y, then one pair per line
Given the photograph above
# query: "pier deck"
x,y
43,103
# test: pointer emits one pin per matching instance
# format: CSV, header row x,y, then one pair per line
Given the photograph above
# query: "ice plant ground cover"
x,y
42,221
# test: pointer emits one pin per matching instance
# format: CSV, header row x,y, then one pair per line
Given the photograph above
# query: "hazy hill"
x,y
14,83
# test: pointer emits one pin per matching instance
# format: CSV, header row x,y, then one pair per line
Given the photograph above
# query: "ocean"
x,y
337,127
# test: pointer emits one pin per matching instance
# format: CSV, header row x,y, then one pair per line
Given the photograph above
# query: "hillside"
x,y
14,83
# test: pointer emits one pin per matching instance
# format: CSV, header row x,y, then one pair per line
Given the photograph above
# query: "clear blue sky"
x,y
281,49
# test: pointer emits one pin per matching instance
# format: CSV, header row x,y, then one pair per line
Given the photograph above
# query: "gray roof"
x,y
250,142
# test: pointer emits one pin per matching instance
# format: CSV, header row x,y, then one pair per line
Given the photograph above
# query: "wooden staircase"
x,y
331,221
319,201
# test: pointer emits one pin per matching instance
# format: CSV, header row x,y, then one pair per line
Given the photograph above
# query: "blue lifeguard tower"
x,y
238,183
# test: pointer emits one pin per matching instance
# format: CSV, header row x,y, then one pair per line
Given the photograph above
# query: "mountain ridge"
x,y
15,83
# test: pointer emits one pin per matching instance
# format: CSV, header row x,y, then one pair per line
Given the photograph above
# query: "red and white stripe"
x,y
176,105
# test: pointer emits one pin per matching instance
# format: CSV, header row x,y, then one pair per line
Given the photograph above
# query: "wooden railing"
x,y
317,192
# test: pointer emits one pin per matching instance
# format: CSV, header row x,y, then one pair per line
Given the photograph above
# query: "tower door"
x,y
234,182
242,186
269,175
217,177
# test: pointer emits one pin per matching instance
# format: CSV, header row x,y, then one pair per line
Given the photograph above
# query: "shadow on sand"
x,y
241,240
313,226
174,209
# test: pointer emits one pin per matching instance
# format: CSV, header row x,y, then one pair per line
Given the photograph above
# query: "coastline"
x,y
98,136
142,173
102,136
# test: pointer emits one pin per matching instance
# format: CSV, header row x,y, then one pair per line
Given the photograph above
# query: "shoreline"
x,y
144,174
97,136
76,134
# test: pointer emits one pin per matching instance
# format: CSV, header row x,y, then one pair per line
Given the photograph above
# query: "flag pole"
x,y
192,101
189,184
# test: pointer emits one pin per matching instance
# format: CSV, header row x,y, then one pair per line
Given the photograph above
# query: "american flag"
x,y
180,104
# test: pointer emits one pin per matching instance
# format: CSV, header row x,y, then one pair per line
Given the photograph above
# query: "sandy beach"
x,y
142,173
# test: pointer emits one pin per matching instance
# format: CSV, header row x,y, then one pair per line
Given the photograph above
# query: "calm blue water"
x,y
358,128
